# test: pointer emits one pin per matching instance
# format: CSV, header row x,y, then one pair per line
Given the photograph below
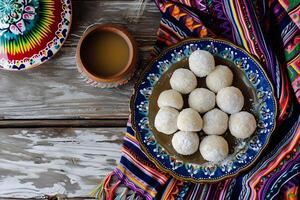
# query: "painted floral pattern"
x,y
32,31
14,13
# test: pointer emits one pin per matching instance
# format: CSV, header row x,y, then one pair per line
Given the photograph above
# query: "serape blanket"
x,y
267,29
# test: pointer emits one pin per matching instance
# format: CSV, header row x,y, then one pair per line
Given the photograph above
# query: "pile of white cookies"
x,y
202,113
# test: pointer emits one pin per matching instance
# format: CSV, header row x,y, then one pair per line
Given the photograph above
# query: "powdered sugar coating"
x,y
166,120
214,148
183,81
230,100
185,143
242,125
202,100
215,122
220,78
170,98
189,120
201,63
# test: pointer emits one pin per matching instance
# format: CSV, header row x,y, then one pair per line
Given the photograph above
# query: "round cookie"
x,y
185,143
170,98
220,78
166,120
230,100
214,148
242,125
201,63
189,120
215,122
183,81
202,100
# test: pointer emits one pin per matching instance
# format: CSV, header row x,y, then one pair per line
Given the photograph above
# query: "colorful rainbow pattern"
x,y
32,31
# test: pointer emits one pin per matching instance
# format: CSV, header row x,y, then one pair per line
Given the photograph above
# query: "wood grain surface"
x,y
59,136
55,90
56,161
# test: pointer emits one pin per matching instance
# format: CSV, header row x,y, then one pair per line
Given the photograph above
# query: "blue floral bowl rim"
x,y
138,134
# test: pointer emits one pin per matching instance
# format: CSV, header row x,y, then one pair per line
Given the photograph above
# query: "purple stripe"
x,y
131,185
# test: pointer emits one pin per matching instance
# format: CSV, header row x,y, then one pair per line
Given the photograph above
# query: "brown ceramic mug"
x,y
125,72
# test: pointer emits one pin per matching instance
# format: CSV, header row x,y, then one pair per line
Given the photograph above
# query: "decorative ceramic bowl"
x,y
117,79
32,31
259,100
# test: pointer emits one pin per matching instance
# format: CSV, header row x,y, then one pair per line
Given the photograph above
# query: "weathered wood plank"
x,y
62,123
55,89
65,161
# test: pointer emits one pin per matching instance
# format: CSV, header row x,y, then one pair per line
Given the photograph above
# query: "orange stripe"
x,y
130,136
284,104
293,60
168,190
294,10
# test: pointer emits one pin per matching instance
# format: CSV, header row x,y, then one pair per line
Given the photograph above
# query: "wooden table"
x,y
60,136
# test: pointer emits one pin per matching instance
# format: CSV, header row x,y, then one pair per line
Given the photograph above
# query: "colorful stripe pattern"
x,y
136,171
269,31
32,31
279,167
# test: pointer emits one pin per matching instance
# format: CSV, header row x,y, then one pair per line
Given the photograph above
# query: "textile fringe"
x,y
106,191
97,192
132,197
123,195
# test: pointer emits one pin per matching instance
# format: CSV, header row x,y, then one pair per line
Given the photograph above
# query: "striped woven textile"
x,y
269,30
